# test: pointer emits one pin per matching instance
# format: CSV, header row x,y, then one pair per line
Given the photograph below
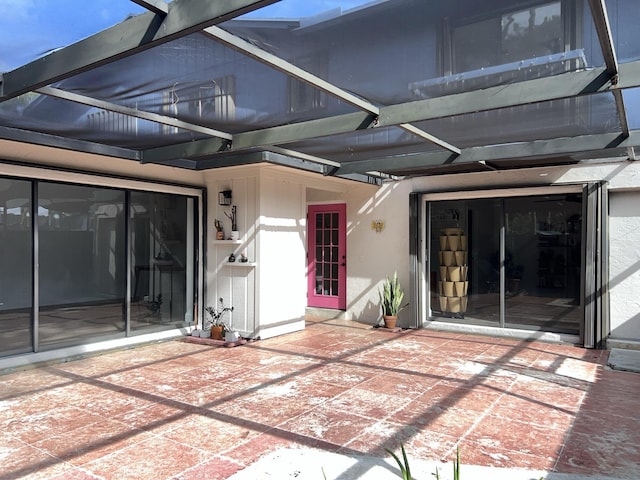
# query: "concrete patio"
x,y
338,389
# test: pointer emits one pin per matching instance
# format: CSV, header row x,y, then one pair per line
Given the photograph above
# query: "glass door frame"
x,y
420,257
35,175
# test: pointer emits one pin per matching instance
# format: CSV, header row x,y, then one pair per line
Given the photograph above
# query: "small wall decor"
x,y
377,225
224,197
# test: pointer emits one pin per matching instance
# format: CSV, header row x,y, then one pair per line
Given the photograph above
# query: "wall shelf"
x,y
240,264
227,242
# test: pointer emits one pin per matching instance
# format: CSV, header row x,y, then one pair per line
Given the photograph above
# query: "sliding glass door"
x,y
512,262
82,263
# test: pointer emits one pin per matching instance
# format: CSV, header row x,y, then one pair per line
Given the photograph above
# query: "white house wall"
x,y
624,267
233,282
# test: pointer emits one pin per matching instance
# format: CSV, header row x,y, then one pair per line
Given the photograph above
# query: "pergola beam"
x,y
291,70
304,156
132,112
191,150
158,7
493,153
246,48
538,90
281,160
127,38
72,144
427,136
603,29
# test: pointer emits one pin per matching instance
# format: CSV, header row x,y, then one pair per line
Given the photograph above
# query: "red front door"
x,y
327,256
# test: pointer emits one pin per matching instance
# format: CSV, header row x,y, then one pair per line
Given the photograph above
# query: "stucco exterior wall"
x,y
624,265
371,255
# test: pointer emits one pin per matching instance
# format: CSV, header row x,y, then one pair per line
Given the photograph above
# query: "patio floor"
x,y
190,411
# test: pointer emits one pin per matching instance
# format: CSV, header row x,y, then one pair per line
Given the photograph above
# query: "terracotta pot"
x,y
447,288
216,332
448,258
219,235
390,321
454,304
443,274
443,304
454,274
460,258
454,242
461,288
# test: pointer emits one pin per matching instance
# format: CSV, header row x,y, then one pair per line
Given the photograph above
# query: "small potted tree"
x,y
391,297
217,325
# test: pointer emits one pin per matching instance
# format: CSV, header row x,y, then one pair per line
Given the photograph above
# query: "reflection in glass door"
x,y
524,262
479,221
162,270
543,262
16,266
81,238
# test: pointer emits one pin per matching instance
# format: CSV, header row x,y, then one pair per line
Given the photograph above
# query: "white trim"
x,y
502,192
501,332
42,173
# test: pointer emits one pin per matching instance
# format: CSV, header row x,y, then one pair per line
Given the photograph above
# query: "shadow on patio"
x,y
183,410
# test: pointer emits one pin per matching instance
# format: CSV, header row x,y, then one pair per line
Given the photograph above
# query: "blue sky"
x,y
28,28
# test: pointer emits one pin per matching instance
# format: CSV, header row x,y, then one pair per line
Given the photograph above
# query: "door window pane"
x,y
162,241
81,232
542,263
15,267
465,243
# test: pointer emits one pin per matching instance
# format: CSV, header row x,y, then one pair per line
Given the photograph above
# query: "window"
x,y
214,101
506,37
304,97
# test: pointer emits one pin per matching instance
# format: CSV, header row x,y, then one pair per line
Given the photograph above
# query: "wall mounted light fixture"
x,y
224,197
377,225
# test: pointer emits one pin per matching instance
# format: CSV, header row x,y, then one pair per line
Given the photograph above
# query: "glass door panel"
x,y
162,267
543,262
464,259
485,222
16,253
81,232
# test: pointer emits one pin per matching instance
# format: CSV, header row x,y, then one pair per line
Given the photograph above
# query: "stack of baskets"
x,y
453,285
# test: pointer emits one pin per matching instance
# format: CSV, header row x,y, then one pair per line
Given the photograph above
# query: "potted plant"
x,y
217,325
233,216
391,297
219,229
